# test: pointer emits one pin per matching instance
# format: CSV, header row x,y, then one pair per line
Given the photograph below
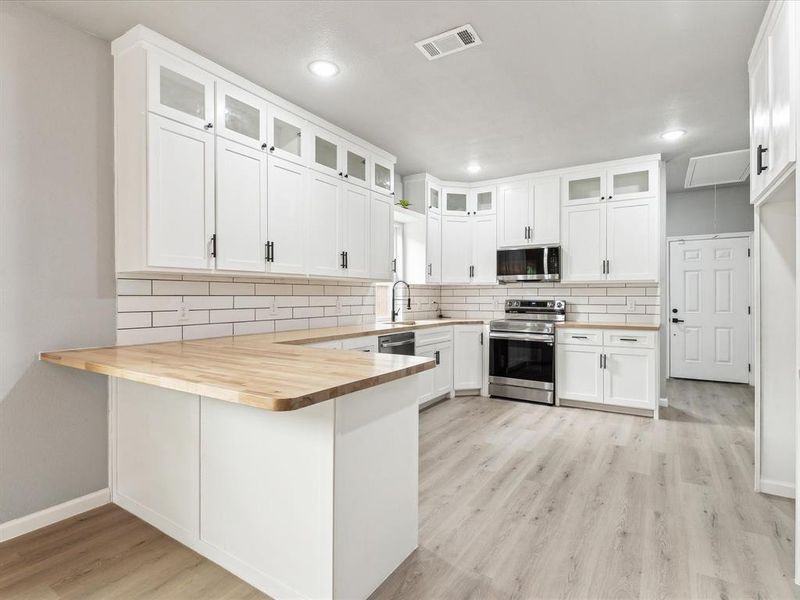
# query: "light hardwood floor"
x,y
516,501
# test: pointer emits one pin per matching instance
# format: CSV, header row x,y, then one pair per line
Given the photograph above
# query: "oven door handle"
x,y
525,337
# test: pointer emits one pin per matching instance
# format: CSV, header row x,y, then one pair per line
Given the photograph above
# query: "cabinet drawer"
x,y
630,339
434,336
364,344
586,337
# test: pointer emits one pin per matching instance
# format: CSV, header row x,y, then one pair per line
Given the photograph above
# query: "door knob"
x,y
674,320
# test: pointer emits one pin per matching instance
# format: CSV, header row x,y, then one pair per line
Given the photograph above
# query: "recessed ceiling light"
x,y
473,167
673,135
323,68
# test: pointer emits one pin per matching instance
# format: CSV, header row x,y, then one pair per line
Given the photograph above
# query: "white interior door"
x,y
709,299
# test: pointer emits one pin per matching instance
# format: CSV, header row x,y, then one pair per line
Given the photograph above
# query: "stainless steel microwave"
x,y
534,263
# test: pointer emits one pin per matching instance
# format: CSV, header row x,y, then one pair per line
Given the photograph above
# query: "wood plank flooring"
x,y
516,501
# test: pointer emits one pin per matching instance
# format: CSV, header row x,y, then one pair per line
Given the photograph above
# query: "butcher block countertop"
x,y
268,371
628,326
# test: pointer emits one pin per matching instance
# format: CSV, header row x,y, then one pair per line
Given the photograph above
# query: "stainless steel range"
x,y
522,350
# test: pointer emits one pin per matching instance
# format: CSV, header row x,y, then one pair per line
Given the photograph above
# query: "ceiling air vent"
x,y
449,42
718,169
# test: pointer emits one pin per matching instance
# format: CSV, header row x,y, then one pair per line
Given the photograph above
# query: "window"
x,y
383,291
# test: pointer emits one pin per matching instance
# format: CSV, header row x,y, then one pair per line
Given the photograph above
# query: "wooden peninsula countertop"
x,y
268,371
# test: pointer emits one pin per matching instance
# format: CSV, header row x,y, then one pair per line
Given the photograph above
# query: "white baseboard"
x,y
663,402
777,488
54,514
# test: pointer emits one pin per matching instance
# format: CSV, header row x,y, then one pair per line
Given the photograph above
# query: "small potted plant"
x,y
403,203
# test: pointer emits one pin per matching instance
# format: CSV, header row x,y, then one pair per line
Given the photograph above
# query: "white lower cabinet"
x,y
362,344
468,357
436,344
617,368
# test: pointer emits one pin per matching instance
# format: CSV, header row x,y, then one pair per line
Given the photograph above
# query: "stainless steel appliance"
x,y
535,263
397,343
522,355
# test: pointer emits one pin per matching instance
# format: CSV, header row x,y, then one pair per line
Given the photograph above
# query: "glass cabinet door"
x,y
382,176
434,198
631,181
285,135
456,201
483,200
241,116
583,188
325,153
180,91
356,165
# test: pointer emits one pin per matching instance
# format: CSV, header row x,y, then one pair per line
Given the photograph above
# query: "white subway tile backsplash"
x,y
291,324
180,288
282,301
134,287
232,289
147,303
151,335
131,320
208,302
232,315
273,289
195,332
265,314
252,301
249,327
164,319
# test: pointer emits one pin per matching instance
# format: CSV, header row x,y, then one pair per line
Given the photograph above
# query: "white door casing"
x,y
709,287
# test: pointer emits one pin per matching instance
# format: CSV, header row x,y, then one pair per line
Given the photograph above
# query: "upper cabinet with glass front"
x,y
356,162
434,198
326,152
382,175
624,182
180,91
286,134
456,201
241,116
483,200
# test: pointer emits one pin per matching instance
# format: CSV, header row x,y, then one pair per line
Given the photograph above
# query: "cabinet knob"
x,y
264,146
610,197
208,126
602,197
272,148
346,175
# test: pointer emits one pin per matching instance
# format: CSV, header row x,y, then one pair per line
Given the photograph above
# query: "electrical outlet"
x,y
183,312
631,304
338,304
272,307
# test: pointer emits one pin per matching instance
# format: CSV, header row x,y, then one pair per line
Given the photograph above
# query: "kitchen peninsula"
x,y
293,467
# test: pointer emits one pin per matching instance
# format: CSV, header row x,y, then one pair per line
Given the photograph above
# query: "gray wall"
x,y
56,258
691,212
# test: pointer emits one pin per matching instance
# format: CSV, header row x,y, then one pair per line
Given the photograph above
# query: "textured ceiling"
x,y
554,83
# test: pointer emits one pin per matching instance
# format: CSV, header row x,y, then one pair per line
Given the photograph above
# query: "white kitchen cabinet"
x,y
579,373
367,343
774,91
513,214
322,224
484,248
632,240
629,377
326,152
180,91
443,373
356,162
241,116
286,135
381,237
583,187
427,379
457,249
434,197
456,201
610,241
545,211
287,183
241,207
382,175
180,195
483,200
622,372
354,230
468,357
327,345
583,242
528,213
433,269
629,182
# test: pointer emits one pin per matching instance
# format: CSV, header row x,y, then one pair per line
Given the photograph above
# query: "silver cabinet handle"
x,y
628,340
579,337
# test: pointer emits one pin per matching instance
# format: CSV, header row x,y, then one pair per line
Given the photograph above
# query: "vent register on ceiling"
x,y
449,42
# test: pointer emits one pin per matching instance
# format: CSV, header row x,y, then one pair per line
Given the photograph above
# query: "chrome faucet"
x,y
394,289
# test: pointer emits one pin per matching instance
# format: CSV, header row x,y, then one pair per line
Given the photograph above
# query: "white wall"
x,y
56,258
691,212
777,360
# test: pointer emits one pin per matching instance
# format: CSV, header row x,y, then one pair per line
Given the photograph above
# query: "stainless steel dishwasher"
x,y
397,343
